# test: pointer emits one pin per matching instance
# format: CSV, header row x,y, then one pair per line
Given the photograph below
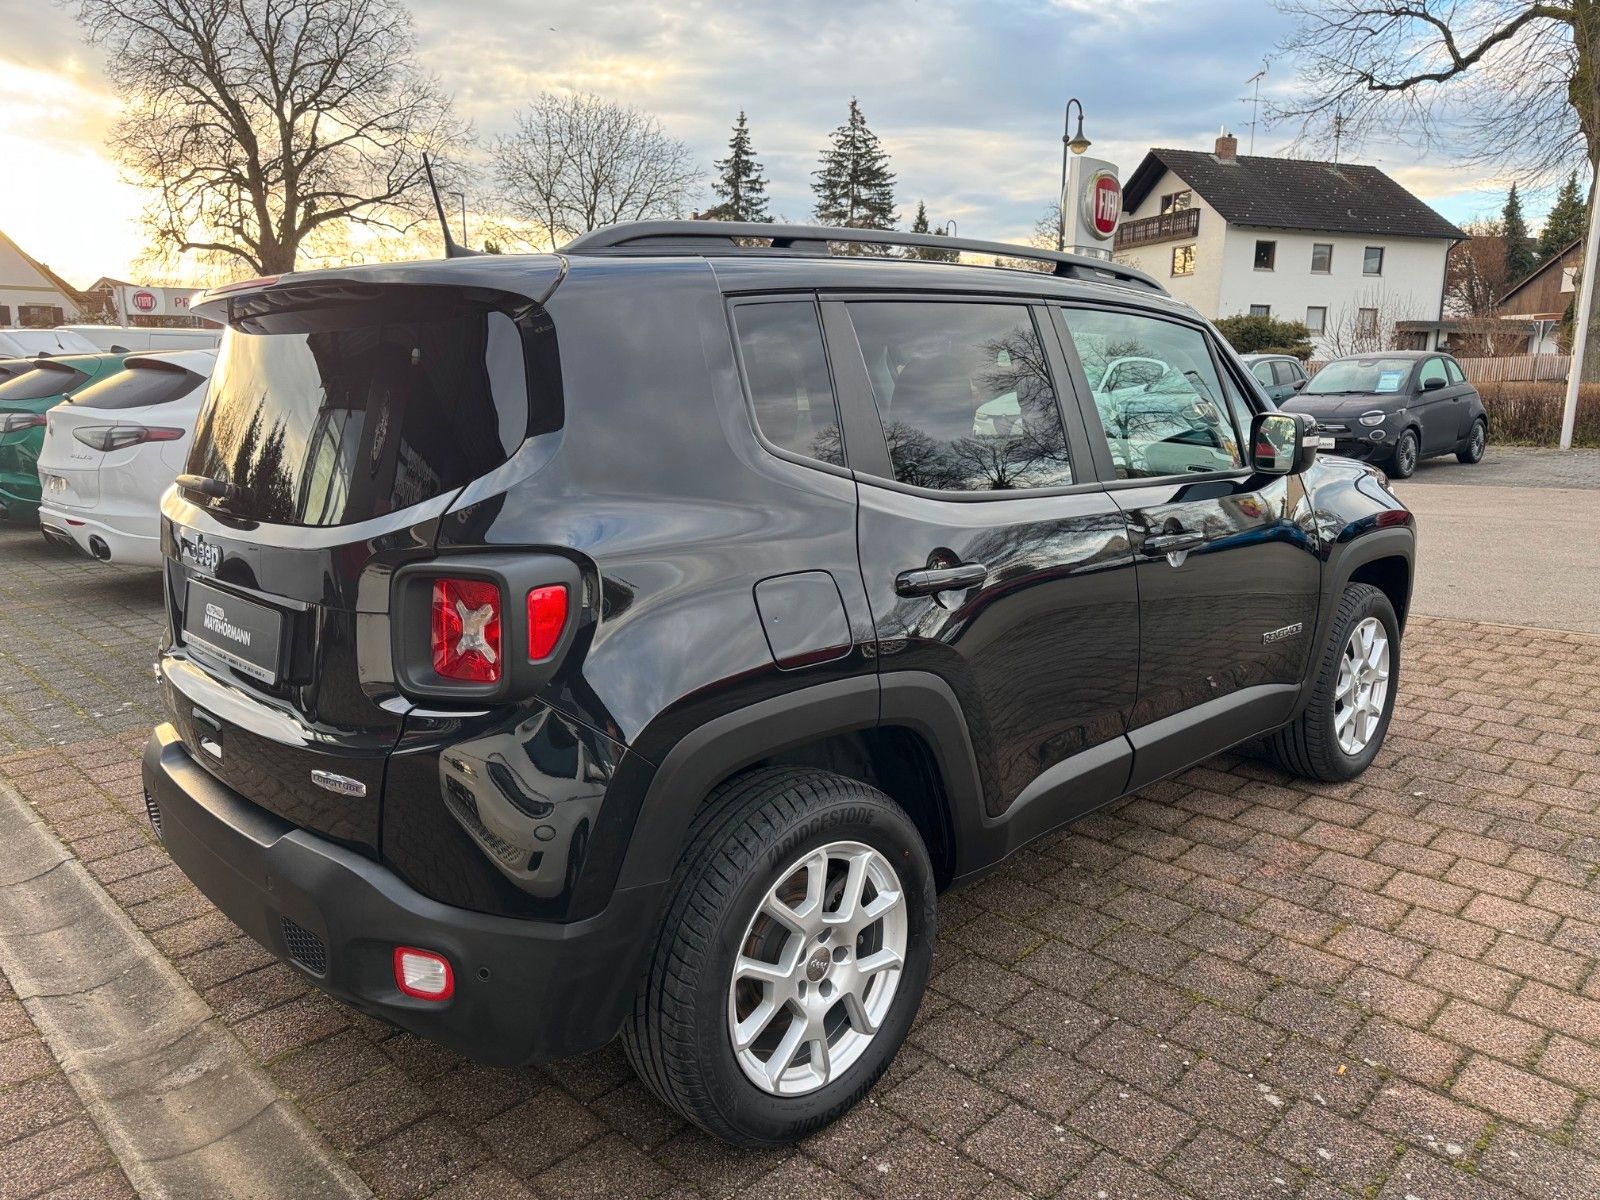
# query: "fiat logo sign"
x,y
1102,204
144,301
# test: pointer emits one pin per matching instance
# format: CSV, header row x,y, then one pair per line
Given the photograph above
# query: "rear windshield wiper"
x,y
205,485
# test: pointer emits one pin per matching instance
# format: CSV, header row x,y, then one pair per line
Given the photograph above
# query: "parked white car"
x,y
114,448
140,337
25,343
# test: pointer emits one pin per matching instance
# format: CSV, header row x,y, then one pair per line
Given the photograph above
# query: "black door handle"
x,y
929,581
1167,543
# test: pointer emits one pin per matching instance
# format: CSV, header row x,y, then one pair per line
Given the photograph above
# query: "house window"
x,y
40,316
1372,261
1177,201
1183,259
5,315
1367,322
1316,319
1266,255
1261,310
1322,258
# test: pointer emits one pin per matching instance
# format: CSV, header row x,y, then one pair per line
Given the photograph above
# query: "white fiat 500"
x,y
114,448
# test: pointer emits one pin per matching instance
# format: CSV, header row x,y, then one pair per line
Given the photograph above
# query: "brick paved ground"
x,y
1516,466
1232,985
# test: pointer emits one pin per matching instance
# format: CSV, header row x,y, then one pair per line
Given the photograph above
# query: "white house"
x,y
1342,247
31,293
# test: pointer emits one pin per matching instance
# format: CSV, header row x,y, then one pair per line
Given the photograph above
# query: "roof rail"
x,y
715,237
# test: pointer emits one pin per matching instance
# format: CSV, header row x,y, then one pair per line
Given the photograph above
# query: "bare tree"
x,y
1475,275
577,162
1366,326
260,122
1506,83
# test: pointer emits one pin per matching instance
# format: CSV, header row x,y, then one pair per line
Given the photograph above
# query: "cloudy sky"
x,y
966,96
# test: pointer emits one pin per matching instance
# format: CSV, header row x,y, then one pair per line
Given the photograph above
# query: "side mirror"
x,y
1432,385
1299,383
1282,443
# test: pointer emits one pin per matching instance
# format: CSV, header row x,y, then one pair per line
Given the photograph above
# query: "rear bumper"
x,y
132,540
525,991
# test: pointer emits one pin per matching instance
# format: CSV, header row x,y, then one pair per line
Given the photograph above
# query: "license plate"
x,y
240,633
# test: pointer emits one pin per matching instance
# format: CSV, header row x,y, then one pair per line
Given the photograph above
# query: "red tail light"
x,y
466,630
17,422
547,617
423,974
120,437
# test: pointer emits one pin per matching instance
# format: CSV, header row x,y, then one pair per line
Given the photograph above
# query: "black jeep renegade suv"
x,y
636,638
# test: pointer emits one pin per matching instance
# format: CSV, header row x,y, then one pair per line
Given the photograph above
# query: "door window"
x,y
1287,372
964,395
786,370
1173,421
1432,369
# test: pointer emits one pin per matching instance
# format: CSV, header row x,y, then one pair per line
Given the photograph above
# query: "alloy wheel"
x,y
1476,447
1363,687
818,968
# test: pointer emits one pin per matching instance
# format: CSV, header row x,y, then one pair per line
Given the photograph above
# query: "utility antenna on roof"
x,y
1255,103
451,248
1338,135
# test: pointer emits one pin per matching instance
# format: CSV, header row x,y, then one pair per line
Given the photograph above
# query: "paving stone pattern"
x,y
1234,984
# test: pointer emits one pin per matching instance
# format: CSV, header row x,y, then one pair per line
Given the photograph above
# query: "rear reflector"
x,y
466,630
547,617
423,974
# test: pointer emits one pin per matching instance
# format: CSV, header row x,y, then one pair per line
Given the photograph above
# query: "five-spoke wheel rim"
x,y
818,968
1363,688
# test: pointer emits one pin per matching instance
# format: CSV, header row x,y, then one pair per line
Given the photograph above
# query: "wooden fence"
x,y
1517,368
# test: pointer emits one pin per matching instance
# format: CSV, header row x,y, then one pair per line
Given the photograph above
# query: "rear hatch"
x,y
340,423
146,409
24,399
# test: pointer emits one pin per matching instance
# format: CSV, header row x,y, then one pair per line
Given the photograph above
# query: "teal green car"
x,y
25,397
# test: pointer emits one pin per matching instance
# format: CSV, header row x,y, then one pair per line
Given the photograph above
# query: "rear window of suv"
x,y
142,385
334,413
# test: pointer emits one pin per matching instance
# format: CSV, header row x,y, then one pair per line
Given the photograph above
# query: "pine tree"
x,y
1519,245
740,183
854,186
920,223
1565,223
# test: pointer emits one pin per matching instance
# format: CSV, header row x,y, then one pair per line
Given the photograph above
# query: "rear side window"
x,y
1287,373
334,413
1453,369
786,371
141,386
1162,406
40,383
964,395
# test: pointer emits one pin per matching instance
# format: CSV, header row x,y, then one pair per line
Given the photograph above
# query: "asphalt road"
x,y
1514,540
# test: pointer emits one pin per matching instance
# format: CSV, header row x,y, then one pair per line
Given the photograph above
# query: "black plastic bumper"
x,y
525,991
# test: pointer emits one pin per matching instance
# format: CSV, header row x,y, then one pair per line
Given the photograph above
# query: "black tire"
x,y
1477,442
1309,746
1407,452
751,829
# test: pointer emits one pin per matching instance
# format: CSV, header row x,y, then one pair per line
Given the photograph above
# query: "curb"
x,y
181,1103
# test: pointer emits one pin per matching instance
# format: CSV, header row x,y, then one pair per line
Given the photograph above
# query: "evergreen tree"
x,y
854,186
740,183
1565,223
920,223
1519,245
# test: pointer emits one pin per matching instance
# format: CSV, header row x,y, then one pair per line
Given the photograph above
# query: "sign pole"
x,y
1580,332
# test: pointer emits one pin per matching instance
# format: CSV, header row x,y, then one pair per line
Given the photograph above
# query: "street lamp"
x,y
1076,144
949,229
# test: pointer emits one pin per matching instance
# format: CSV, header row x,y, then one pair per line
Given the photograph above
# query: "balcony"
x,y
1167,227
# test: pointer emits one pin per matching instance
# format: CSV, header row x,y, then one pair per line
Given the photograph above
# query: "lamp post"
x,y
949,228
1076,144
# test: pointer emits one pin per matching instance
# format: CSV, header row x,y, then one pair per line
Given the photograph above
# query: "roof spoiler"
x,y
718,237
